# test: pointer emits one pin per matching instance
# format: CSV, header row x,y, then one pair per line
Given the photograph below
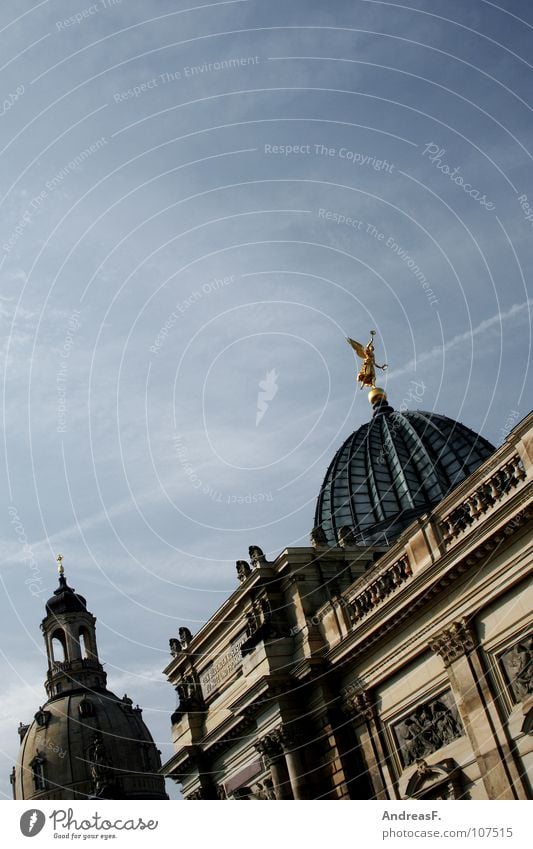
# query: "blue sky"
x,y
199,201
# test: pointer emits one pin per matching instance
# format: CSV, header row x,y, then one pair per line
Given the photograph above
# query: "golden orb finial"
x,y
377,395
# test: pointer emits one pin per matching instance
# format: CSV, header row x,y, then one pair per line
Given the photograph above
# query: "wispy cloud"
x,y
440,351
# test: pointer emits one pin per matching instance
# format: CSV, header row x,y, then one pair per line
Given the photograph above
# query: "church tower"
x,y
84,742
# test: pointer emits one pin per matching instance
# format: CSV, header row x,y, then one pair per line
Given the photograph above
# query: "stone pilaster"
x,y
458,647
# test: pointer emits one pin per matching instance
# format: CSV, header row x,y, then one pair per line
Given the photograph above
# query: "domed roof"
x,y
65,600
393,469
88,744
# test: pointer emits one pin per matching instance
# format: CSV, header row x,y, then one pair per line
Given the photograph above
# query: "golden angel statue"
x,y
367,374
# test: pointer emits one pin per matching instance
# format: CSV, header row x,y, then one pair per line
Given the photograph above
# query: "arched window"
x,y
86,708
85,642
59,647
37,769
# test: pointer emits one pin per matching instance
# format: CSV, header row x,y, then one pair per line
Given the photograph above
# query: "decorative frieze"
x,y
453,642
430,726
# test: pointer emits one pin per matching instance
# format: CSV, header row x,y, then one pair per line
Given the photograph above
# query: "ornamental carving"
x,y
257,557
453,642
243,570
175,646
346,537
189,694
359,705
259,791
318,536
274,744
42,717
269,747
100,767
430,726
197,794
517,663
442,780
259,625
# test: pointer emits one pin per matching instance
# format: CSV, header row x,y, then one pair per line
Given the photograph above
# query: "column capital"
x,y
270,746
454,641
360,706
276,743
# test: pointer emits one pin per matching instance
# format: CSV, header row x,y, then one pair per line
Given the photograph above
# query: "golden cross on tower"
x,y
60,567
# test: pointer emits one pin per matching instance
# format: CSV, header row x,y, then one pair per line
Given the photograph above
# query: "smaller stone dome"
x,y
85,745
84,742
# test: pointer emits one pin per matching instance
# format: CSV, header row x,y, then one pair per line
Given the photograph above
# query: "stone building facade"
x,y
360,668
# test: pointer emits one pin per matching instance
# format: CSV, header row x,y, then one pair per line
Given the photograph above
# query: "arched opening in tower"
x,y
58,646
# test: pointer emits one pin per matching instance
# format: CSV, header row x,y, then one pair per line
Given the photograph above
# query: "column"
x,y
271,749
360,706
294,766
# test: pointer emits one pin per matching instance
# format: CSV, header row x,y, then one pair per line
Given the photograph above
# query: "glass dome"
x,y
392,469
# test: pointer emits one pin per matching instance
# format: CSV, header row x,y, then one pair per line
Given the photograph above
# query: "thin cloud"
x,y
440,351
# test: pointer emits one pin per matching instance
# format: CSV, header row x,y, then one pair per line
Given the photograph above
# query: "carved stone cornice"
x,y
454,641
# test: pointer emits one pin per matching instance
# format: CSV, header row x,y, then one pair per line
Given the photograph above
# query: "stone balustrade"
x,y
505,479
379,588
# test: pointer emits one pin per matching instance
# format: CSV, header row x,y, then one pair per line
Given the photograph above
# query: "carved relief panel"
x,y
516,664
431,725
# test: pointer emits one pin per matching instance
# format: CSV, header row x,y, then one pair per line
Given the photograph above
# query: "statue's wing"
x,y
358,348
